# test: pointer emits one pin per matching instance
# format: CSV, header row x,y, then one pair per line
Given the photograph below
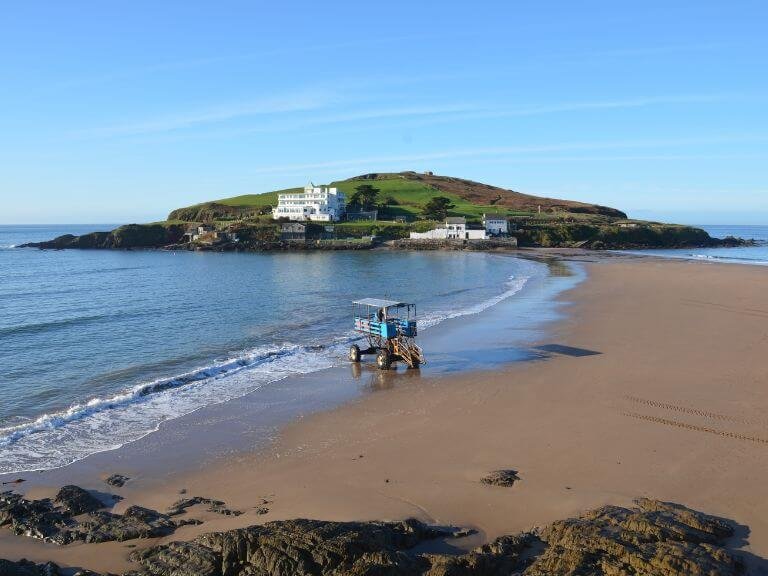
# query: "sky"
x,y
120,111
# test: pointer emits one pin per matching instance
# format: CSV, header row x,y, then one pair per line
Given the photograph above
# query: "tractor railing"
x,y
389,328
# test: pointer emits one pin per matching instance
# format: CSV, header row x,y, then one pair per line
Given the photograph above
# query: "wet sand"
x,y
655,385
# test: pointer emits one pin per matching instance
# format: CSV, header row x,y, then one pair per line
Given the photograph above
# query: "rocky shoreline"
x,y
650,538
103,241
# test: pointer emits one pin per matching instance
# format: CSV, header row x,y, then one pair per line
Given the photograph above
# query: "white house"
x,y
454,229
318,203
496,224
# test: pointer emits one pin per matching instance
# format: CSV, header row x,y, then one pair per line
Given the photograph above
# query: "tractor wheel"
x,y
384,360
354,353
415,365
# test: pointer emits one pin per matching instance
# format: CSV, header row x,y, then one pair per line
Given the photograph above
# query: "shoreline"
x,y
596,423
202,433
669,437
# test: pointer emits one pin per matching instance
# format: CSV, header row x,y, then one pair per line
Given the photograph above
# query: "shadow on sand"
x,y
566,350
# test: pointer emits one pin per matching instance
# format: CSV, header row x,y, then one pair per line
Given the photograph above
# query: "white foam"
x,y
101,424
55,440
514,285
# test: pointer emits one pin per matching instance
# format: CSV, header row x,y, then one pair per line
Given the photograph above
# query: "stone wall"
x,y
433,244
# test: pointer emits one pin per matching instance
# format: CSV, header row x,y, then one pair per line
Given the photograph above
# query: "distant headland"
x,y
391,209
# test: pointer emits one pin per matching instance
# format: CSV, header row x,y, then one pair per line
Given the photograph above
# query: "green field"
x,y
257,200
537,221
409,197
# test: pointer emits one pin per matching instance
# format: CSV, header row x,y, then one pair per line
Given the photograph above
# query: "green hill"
x,y
537,221
405,194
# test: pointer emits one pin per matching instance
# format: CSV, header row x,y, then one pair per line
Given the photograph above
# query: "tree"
x,y
437,208
364,197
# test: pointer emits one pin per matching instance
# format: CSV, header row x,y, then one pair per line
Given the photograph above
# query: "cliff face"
x,y
128,236
610,236
208,211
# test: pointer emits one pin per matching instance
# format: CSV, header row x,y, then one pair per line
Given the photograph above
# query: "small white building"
x,y
316,203
496,224
454,229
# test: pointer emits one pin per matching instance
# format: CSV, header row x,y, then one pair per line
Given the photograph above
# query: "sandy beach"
x,y
654,386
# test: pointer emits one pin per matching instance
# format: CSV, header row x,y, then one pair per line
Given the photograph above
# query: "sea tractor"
x,y
390,330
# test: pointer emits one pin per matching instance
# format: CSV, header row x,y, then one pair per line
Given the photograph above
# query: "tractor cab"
x,y
389,327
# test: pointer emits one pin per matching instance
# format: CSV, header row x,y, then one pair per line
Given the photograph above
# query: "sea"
x,y
755,255
101,348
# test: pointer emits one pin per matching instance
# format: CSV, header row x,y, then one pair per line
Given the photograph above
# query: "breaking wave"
x,y
106,423
719,258
514,285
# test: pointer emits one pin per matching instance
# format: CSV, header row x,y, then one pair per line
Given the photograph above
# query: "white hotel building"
x,y
318,203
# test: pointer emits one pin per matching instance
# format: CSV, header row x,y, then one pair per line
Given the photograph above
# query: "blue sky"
x,y
121,111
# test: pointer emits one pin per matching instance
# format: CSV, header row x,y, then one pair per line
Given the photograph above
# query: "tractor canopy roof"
x,y
380,303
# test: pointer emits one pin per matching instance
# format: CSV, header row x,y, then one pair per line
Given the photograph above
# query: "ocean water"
x,y
99,348
755,255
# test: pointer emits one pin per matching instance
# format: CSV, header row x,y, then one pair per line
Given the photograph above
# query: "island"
x,y
394,210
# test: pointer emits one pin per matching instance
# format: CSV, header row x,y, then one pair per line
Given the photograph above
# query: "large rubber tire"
x,y
383,360
354,353
416,365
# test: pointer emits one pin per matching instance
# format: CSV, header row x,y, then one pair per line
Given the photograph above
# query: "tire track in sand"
x,y
756,312
693,427
694,411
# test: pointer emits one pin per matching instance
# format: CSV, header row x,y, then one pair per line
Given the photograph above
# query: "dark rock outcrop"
x,y
505,555
44,520
75,500
217,506
310,547
504,478
650,539
117,480
32,518
127,236
27,568
653,538
136,522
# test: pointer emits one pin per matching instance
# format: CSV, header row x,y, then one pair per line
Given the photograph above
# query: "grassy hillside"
x,y
538,221
237,207
405,194
412,195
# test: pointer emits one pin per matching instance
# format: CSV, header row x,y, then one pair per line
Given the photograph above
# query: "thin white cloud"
x,y
665,49
608,104
488,113
265,54
375,161
414,115
471,112
408,113
222,113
